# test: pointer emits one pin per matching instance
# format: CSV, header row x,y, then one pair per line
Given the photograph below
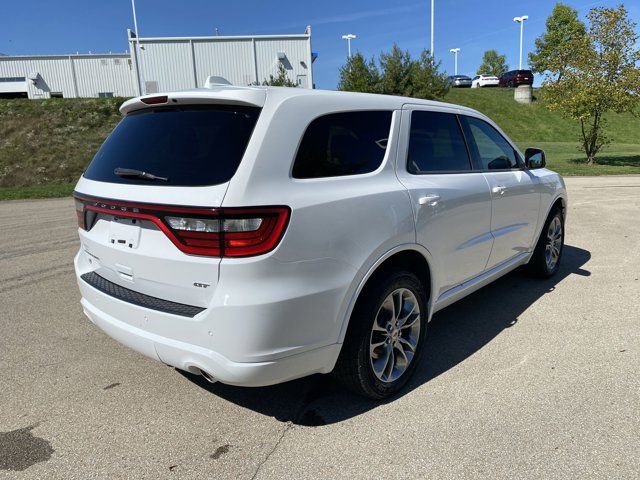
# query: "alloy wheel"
x,y
554,243
395,334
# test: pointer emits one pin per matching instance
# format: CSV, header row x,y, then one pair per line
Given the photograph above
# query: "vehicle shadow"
x,y
455,334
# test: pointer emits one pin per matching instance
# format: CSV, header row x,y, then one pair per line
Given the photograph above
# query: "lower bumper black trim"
x,y
126,295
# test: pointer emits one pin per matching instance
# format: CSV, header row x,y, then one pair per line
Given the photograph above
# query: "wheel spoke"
x,y
391,362
410,320
397,305
402,355
410,345
381,363
378,328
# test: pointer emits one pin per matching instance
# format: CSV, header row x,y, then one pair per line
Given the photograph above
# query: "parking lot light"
x,y
455,52
520,20
348,37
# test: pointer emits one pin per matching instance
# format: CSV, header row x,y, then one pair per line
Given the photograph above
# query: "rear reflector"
x,y
222,232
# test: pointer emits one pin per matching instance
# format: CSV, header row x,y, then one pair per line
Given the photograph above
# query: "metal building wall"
x,y
233,58
176,63
166,64
72,75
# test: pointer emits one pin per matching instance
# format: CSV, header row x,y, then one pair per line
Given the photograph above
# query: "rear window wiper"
x,y
130,172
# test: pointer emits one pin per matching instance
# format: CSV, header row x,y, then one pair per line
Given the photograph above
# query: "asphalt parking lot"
x,y
523,379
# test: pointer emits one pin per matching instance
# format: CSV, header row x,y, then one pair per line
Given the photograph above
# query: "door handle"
x,y
430,199
499,189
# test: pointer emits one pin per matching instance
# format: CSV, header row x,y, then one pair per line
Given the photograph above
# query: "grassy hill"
x,y
45,145
535,126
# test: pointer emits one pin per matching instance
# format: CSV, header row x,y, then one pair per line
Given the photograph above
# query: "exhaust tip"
x,y
208,377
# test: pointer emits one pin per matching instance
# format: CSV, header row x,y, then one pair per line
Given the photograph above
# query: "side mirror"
x,y
534,158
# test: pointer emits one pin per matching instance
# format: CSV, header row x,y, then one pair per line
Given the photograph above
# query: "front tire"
x,y
546,257
386,336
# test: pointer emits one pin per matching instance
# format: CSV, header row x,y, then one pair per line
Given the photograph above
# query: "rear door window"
x,y
436,144
490,149
346,143
189,146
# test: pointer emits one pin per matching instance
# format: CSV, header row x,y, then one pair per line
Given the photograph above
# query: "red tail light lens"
x,y
224,232
155,100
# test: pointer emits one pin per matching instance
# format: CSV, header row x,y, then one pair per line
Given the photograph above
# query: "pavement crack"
x,y
289,426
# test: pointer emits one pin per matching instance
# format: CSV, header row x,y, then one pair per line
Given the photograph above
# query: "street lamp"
x,y
141,88
348,37
432,12
520,20
455,56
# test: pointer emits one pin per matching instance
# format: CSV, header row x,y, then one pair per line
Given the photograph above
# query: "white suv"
x,y
256,235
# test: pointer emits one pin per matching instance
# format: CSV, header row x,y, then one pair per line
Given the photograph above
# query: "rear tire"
x,y
385,338
546,257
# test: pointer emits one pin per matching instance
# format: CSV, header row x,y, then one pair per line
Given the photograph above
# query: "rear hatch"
x,y
148,204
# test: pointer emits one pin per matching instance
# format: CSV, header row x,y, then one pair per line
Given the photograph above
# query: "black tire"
x,y
510,84
538,266
354,369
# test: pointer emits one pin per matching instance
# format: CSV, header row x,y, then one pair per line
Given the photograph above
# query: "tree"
x,y
493,64
281,80
427,81
396,76
601,76
358,75
552,52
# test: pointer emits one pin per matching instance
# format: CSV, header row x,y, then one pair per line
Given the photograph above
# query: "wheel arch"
x,y
414,258
558,201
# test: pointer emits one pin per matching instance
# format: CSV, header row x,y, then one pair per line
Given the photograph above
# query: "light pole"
x,y
455,56
432,12
137,47
520,20
348,37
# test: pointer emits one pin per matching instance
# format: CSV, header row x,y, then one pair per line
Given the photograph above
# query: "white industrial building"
x,y
158,64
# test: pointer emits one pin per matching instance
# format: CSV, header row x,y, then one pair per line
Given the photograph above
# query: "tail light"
x,y
80,214
214,232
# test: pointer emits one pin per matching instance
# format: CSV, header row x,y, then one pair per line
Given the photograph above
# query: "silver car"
x,y
460,81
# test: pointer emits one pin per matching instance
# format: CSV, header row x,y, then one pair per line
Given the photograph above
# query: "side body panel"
x,y
515,209
456,227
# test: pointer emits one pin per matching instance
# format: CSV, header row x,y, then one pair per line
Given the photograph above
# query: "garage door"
x,y
13,87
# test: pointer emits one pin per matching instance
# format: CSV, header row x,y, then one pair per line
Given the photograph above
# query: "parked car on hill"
x,y
484,81
254,235
459,81
515,78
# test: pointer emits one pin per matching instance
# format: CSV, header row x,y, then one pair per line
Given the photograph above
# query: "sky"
x,y
69,26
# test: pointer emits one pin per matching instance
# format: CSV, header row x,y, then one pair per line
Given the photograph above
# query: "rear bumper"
x,y
192,358
269,341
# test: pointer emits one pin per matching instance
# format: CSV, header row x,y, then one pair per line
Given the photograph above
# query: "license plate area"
x,y
124,233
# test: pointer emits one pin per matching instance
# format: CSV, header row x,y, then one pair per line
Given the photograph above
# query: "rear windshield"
x,y
186,146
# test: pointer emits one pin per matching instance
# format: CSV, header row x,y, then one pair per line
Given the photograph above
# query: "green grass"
x,y
50,142
566,159
535,126
45,145
36,191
